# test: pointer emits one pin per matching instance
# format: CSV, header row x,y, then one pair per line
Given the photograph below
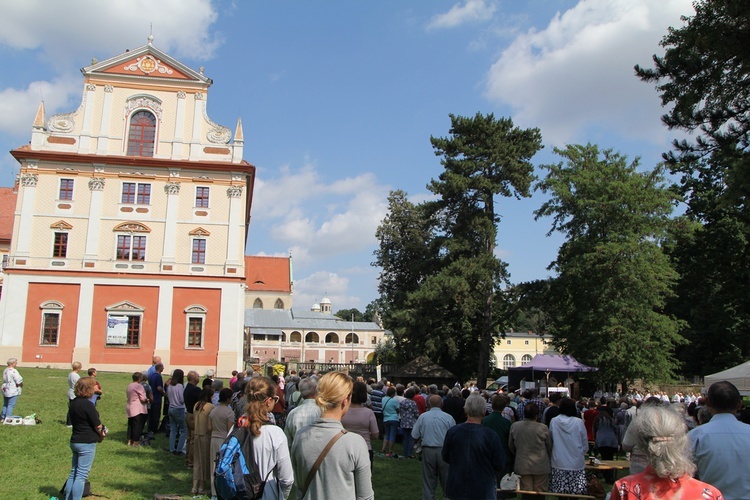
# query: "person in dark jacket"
x,y
87,432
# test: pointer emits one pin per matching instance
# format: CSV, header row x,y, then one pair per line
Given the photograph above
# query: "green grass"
x,y
36,459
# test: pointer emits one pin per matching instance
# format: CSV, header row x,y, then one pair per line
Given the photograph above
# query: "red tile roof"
x,y
268,274
8,198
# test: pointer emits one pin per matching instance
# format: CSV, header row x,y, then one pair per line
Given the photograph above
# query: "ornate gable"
x,y
146,62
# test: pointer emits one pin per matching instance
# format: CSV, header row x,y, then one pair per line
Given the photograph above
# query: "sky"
x,y
339,99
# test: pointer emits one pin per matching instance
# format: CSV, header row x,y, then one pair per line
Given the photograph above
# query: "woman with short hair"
x,y
12,383
661,433
136,410
269,441
390,420
87,432
345,470
569,446
408,413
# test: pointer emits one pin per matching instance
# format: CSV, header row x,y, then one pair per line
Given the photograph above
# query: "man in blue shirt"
x,y
721,445
431,428
474,455
156,382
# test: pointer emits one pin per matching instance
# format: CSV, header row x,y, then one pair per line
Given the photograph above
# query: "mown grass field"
x,y
36,460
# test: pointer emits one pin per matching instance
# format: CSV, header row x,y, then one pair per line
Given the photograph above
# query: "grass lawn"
x,y
37,459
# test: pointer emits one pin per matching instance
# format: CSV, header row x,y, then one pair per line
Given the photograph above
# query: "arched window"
x,y
352,338
283,337
279,304
142,134
312,338
525,359
295,337
493,361
332,338
509,361
258,304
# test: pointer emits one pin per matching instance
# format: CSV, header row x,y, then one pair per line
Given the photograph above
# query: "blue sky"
x,y
338,101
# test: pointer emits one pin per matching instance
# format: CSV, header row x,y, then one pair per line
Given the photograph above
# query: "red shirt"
x,y
648,486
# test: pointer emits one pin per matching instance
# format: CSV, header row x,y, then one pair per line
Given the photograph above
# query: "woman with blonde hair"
x,y
344,471
661,433
87,432
270,446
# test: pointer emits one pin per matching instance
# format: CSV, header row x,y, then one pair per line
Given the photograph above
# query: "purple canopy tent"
x,y
558,365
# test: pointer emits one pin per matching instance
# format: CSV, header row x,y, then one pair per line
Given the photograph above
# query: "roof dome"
x,y
315,307
325,300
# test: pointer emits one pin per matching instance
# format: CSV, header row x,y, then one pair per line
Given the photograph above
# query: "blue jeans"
x,y
83,459
391,426
8,405
177,425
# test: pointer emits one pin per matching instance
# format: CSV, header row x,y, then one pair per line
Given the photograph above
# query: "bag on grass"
x,y
236,475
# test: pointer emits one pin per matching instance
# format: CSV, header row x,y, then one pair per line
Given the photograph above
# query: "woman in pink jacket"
x,y
136,410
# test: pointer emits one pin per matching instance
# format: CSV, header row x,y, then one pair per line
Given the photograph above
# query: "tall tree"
x,y
440,277
702,79
484,157
613,277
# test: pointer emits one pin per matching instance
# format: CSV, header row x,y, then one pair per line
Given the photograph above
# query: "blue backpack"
x,y
236,476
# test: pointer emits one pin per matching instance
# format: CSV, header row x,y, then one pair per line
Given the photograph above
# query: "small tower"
x,y
325,305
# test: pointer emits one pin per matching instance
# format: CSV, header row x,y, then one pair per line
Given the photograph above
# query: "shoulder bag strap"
x,y
316,465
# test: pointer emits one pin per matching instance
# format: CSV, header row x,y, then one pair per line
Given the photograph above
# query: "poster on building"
x,y
117,330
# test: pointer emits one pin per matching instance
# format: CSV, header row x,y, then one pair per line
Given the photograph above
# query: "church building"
x,y
129,226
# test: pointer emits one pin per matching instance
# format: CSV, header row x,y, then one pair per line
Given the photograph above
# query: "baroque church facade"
x,y
124,236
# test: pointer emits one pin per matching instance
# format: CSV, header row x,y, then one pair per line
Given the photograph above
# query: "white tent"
x,y
738,375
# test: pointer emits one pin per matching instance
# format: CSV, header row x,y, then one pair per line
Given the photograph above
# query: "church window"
x,y
142,134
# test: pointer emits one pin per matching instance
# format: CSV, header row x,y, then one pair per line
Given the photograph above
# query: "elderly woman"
x,y
660,432
136,410
569,446
408,413
87,432
12,383
345,469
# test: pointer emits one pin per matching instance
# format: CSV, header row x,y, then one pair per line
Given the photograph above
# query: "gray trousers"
x,y
433,469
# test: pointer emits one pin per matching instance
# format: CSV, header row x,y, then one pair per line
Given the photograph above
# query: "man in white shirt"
x,y
431,428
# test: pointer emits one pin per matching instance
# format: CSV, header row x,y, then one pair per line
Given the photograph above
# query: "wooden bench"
x,y
544,494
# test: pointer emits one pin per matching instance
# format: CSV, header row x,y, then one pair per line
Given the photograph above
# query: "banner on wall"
x,y
117,330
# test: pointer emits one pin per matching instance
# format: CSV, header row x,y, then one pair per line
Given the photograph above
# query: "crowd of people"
x,y
679,447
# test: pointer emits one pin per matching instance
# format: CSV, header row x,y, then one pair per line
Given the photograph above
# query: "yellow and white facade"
x,y
518,348
130,226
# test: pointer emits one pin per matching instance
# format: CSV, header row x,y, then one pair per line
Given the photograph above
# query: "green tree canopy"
x,y
702,80
613,277
440,276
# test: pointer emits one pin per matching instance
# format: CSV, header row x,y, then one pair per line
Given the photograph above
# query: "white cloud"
x,y
64,30
467,12
311,289
19,106
576,75
317,220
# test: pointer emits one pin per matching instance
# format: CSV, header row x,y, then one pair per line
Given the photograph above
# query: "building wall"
x,y
520,344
